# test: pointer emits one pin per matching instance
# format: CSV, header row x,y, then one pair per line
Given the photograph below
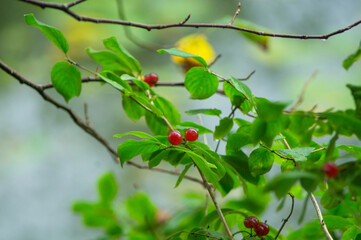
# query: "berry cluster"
x,y
260,228
175,136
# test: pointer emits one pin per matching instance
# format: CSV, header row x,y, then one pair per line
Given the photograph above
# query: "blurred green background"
x,y
47,162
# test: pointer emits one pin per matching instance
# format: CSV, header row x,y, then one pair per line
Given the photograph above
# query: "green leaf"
x,y
282,183
329,200
356,93
131,63
351,233
111,78
66,80
239,162
110,61
347,63
141,84
355,151
107,187
53,34
205,111
261,41
300,124
183,173
179,53
260,161
200,83
236,97
131,148
201,130
141,209
242,88
337,222
133,110
168,110
156,124
345,122
236,141
156,157
299,154
203,165
137,134
269,110
224,127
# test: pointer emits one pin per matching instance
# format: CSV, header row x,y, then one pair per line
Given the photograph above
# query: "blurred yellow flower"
x,y
196,44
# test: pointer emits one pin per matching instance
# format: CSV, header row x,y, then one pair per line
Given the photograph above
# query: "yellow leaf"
x,y
196,44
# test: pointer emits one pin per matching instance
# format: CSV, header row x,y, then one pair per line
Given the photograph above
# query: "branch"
x,y
288,217
319,214
83,125
315,204
235,14
219,211
300,98
66,9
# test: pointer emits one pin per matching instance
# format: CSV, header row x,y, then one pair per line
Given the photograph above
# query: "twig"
x,y
235,14
219,211
79,122
69,5
185,20
277,153
65,9
214,60
246,78
319,214
288,217
87,121
300,98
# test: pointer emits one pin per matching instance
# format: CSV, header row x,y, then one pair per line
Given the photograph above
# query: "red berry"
x,y
261,229
330,169
191,134
175,137
151,79
250,222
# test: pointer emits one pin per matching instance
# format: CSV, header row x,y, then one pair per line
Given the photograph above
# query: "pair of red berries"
x,y
175,137
330,169
260,228
151,79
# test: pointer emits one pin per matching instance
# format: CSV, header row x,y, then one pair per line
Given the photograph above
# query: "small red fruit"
x,y
330,169
175,137
151,79
250,222
261,229
191,134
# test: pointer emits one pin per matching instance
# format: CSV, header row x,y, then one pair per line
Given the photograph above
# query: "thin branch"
x,y
300,98
319,214
214,60
79,122
65,9
235,14
288,217
219,211
277,153
315,204
87,121
74,3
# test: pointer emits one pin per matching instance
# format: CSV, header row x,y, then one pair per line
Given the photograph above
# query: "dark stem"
x,y
149,27
288,217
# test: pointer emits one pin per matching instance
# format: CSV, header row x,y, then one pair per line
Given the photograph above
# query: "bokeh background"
x,y
47,162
